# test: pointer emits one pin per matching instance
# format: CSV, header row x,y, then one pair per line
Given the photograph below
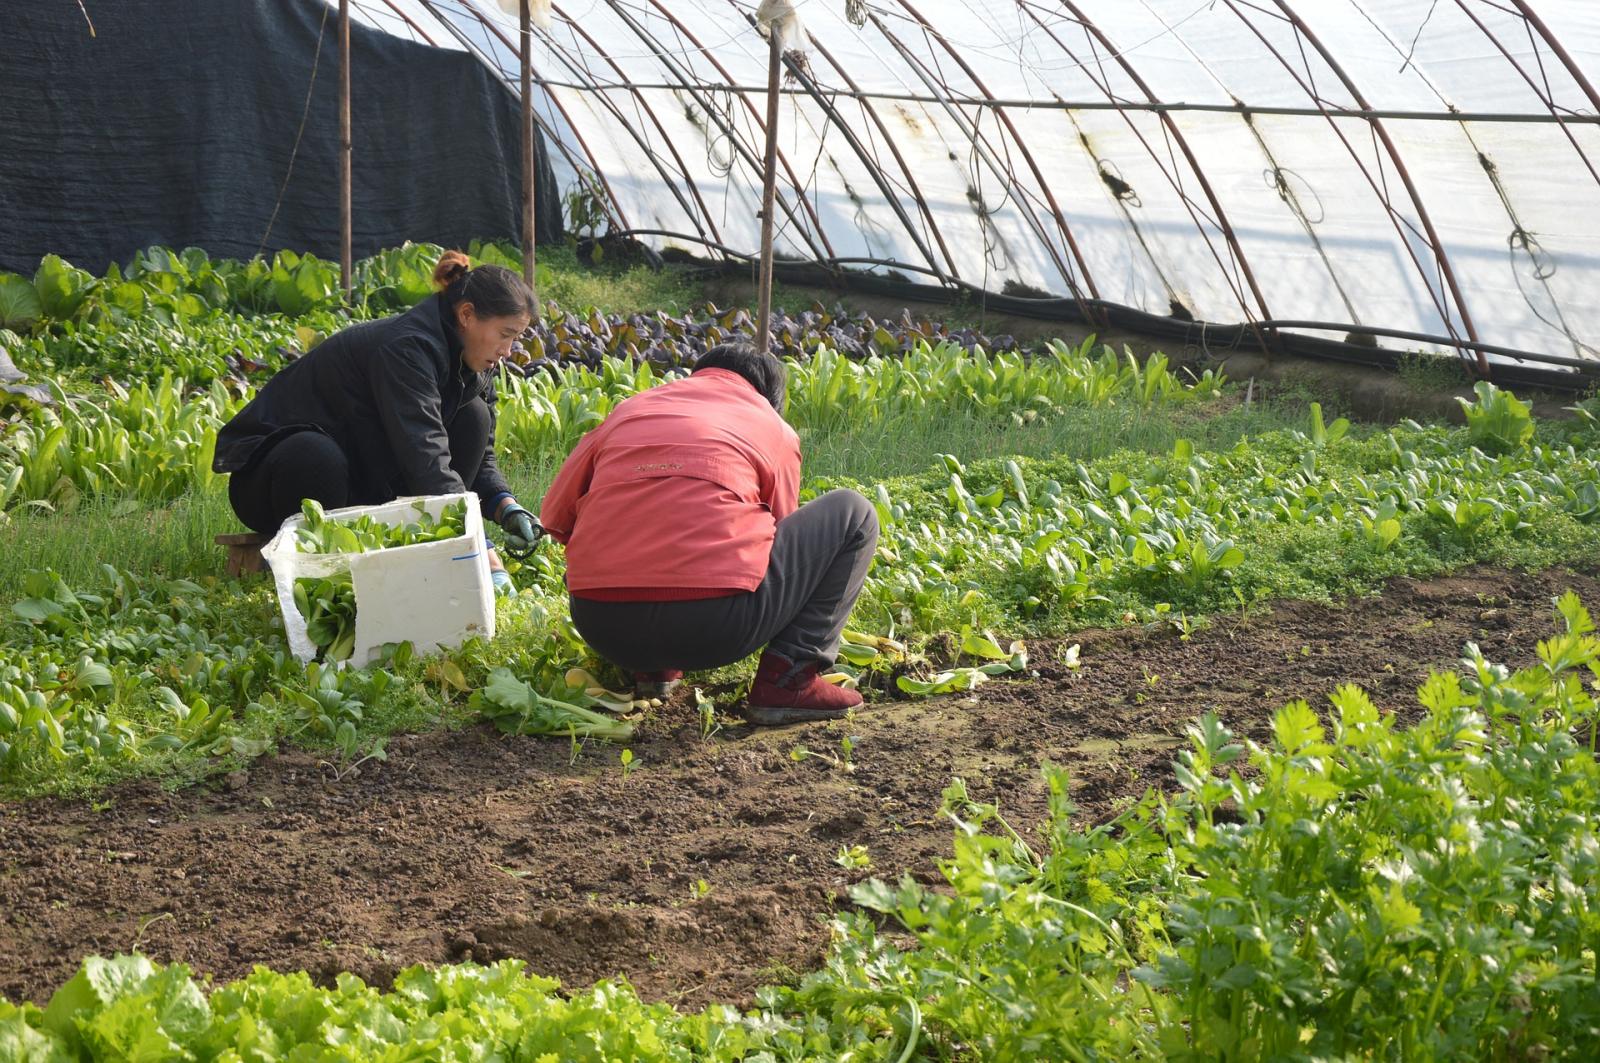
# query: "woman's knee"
x,y
859,512
299,466
309,457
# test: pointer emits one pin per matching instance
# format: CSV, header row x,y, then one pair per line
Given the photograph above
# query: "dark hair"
x,y
763,371
493,291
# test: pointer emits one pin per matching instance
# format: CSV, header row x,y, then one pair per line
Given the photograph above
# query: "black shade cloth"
x,y
175,124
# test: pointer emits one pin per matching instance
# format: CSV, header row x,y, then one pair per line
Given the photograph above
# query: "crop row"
x,y
154,441
176,287
201,319
1071,542
102,679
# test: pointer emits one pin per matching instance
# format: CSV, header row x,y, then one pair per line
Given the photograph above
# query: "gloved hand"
x,y
522,531
503,587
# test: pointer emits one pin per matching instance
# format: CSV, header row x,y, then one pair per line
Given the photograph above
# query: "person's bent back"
x,y
685,549
677,494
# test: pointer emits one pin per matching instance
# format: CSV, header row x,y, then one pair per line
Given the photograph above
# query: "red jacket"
x,y
677,495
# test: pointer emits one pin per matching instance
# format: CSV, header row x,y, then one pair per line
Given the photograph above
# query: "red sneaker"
x,y
783,693
649,685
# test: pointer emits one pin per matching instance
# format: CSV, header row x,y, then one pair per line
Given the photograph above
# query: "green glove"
x,y
522,531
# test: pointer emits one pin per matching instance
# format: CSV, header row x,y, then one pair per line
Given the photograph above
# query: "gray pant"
x,y
818,566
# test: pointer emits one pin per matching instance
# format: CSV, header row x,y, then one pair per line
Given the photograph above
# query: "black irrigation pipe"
x,y
1529,368
1424,337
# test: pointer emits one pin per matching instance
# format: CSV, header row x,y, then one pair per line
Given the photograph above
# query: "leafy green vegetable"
x,y
1324,434
328,605
62,288
1498,421
302,283
128,1008
321,534
19,303
952,680
517,708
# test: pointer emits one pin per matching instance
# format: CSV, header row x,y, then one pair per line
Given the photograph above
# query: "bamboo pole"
x,y
769,183
528,182
346,219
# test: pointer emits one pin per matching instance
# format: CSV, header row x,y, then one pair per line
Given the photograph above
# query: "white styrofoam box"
x,y
432,595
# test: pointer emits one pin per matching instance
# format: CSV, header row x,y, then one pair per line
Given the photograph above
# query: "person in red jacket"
x,y
685,549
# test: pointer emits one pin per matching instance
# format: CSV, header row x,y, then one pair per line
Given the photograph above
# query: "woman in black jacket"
x,y
400,406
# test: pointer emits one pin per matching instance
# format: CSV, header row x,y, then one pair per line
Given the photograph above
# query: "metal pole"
x,y
1159,107
769,184
346,222
528,182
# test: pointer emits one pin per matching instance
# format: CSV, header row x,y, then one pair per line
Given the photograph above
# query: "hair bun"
x,y
452,264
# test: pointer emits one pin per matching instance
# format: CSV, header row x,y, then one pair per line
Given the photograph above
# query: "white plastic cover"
x,y
1427,165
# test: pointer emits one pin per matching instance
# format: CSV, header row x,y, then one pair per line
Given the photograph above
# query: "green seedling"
x,y
707,709
346,769
1324,434
853,858
800,754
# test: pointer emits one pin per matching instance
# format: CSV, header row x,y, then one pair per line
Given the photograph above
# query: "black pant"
x,y
310,464
819,564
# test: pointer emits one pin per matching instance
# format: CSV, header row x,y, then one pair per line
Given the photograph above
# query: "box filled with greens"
x,y
353,580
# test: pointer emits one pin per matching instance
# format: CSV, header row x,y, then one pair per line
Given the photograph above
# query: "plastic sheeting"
x,y
1421,165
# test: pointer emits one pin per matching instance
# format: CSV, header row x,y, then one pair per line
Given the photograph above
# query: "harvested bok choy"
x,y
517,708
328,603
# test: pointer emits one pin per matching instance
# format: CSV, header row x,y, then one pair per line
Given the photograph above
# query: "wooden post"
x,y
346,221
528,182
768,192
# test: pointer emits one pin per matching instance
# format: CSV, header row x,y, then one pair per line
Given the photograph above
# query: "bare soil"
x,y
710,870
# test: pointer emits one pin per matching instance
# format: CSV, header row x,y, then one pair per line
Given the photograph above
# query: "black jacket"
x,y
384,391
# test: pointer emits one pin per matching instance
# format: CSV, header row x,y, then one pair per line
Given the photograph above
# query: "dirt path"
x,y
474,845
